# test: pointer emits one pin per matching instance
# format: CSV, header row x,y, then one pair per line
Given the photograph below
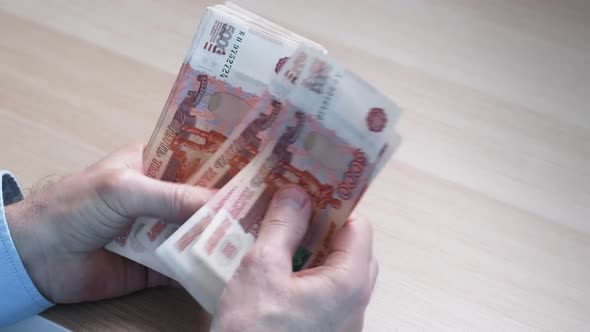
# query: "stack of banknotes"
x,y
256,107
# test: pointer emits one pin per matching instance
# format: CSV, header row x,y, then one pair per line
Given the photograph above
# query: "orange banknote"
x,y
334,133
233,56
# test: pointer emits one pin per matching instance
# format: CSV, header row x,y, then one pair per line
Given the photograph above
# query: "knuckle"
x,y
357,290
270,256
109,181
177,198
276,221
360,294
252,259
260,256
348,286
113,182
111,187
286,218
364,296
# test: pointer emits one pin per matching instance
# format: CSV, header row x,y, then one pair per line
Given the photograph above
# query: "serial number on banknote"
x,y
231,57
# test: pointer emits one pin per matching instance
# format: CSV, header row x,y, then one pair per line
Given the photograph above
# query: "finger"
x,y
360,218
285,222
129,156
132,194
170,201
352,245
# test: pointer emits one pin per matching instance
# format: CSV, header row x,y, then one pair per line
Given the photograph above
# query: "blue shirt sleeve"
x,y
19,298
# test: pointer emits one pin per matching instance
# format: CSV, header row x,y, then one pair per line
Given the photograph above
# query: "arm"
x,y
20,298
57,234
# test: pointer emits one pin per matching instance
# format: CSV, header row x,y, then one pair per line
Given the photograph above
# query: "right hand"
x,y
265,295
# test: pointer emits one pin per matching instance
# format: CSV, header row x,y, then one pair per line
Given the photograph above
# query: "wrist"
x,y
28,235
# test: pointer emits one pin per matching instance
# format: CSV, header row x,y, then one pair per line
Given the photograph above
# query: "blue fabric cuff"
x,y
19,298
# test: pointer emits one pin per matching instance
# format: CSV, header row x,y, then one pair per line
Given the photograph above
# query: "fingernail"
x,y
292,193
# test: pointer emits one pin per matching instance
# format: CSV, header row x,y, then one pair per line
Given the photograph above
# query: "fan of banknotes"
x,y
256,107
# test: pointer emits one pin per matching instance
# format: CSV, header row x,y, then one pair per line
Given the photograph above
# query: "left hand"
x,y
60,231
266,295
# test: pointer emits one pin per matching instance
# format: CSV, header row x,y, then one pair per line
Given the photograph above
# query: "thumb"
x,y
131,194
285,222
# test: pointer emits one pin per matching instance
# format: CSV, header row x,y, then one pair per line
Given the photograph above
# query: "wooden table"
x,y
482,219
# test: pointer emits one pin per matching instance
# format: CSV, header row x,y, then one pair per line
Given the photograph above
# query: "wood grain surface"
x,y
482,218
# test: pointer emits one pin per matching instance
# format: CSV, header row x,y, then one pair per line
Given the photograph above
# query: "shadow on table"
x,y
158,309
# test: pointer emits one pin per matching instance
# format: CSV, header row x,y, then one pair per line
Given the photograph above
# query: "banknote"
x,y
176,260
233,56
229,66
252,133
173,249
206,111
337,131
238,154
234,156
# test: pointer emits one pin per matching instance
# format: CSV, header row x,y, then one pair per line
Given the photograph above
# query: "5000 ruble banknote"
x,y
233,56
335,133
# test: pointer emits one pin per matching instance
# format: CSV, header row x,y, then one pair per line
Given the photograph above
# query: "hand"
x,y
60,231
265,295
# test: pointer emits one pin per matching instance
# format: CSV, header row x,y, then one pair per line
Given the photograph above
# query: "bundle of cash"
x,y
233,57
318,126
254,108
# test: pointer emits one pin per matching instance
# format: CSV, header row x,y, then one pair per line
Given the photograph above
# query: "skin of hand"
x,y
60,230
266,295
